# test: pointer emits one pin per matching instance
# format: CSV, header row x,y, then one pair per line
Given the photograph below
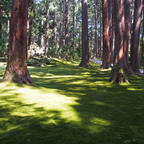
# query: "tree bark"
x,y
106,39
17,70
127,30
142,53
85,49
96,35
135,40
118,75
0,21
47,28
66,21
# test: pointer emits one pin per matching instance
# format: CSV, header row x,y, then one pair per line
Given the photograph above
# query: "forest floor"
x,y
71,105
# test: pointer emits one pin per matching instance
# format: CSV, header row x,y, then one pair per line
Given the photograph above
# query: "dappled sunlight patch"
x,y
54,76
99,103
28,98
134,89
98,125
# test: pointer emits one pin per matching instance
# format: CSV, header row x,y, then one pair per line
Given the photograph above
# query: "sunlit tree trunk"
x,y
106,39
42,29
119,53
30,26
66,21
85,49
135,40
17,67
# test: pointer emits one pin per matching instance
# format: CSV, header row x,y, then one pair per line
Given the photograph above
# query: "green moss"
x,y
71,105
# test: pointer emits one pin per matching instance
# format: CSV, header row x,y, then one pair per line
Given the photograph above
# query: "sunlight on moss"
x,y
99,121
134,89
54,76
49,99
100,103
98,125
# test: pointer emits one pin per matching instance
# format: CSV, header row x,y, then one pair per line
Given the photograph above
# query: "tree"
x,y
96,25
17,70
85,50
135,63
119,53
106,39
66,22
142,53
0,20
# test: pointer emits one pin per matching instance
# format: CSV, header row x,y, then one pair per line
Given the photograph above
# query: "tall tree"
x,y
85,49
66,21
17,70
142,53
47,27
127,29
119,53
135,40
0,20
96,25
106,39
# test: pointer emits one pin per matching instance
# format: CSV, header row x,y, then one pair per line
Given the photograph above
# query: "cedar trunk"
x,y
85,49
135,40
119,53
16,70
47,28
0,21
106,39
142,54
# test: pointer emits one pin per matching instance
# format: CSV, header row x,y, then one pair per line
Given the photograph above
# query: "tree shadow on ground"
x,y
107,113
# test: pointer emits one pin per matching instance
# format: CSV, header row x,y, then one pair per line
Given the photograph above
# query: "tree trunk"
x,y
74,26
126,36
16,70
85,49
66,21
0,21
47,28
118,75
42,29
106,39
135,40
96,35
30,27
142,53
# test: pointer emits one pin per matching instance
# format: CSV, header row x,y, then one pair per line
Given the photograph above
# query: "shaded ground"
x,y
71,105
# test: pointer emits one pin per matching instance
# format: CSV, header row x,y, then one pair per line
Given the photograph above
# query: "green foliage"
x,y
71,105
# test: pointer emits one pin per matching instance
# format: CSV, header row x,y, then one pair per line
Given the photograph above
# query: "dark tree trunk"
x,y
113,29
74,26
16,70
119,53
126,34
85,50
96,35
0,21
135,40
106,39
142,53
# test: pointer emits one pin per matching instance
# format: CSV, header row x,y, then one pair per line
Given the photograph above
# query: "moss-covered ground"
x,y
71,105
